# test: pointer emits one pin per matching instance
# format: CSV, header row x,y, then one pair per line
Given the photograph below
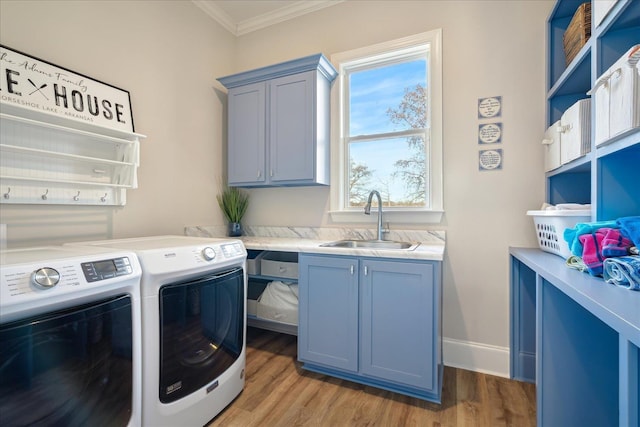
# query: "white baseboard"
x,y
473,356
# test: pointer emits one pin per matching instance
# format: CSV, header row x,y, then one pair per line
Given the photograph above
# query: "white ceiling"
x,y
244,16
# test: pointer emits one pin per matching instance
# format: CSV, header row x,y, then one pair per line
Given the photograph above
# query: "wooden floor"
x,y
279,393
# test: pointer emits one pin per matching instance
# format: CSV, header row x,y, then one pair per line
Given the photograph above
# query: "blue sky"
x,y
372,93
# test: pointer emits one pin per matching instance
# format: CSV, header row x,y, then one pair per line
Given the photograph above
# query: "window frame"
x,y
339,210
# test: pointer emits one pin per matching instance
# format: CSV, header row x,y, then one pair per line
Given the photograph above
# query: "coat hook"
x,y
103,198
44,196
6,195
77,196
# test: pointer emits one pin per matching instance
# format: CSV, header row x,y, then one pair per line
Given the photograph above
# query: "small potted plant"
x,y
233,203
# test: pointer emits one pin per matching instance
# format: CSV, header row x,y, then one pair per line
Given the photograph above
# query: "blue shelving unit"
x,y
578,339
605,176
572,334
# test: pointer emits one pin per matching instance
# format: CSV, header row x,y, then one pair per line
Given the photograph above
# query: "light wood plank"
x,y
278,392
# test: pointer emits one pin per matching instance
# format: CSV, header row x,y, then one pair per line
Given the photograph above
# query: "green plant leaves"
x,y
234,203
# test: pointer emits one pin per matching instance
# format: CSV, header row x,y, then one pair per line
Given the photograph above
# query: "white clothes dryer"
x,y
70,350
194,328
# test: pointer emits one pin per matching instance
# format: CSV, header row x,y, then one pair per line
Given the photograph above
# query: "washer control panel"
x,y
45,277
50,278
106,269
231,250
208,253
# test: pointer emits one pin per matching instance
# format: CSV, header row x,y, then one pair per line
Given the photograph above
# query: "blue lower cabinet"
x,y
328,312
372,321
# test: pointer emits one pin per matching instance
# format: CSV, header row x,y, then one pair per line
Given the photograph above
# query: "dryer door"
x,y
201,331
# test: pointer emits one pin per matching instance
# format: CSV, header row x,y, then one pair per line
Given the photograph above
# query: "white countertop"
x,y
309,240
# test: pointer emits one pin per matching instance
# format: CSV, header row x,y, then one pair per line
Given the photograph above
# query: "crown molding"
x,y
294,10
317,62
215,12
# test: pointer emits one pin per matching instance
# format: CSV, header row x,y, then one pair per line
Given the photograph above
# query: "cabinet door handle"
x,y
259,174
351,269
366,270
271,173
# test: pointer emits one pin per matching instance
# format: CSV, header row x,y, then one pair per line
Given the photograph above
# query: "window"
x,y
387,130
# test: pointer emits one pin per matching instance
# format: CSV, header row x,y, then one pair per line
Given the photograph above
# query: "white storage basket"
x,y
550,226
551,143
279,302
575,131
254,260
616,96
280,264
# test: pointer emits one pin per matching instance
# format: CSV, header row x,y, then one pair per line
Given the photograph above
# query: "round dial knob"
x,y
45,277
208,253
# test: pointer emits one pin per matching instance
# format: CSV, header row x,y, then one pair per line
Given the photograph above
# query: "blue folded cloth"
x,y
630,226
571,235
623,271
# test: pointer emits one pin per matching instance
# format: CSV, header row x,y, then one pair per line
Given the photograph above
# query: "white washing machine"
x,y
193,293
70,350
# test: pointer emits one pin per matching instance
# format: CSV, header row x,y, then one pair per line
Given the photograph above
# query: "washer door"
x,y
68,368
201,331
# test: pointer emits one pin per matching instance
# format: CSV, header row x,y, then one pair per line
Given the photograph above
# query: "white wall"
x,y
491,48
167,54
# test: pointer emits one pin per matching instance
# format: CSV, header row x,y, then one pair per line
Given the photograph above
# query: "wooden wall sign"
x,y
34,84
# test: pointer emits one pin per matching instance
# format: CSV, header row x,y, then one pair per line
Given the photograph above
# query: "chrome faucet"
x,y
367,211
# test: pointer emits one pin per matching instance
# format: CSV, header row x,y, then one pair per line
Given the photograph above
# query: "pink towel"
x,y
601,244
615,244
591,250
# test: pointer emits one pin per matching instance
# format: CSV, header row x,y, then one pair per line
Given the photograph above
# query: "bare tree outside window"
x,y
413,170
359,183
389,132
387,140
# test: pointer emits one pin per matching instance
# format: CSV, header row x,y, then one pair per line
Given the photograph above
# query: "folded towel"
x,y
576,262
630,227
572,235
623,271
564,207
615,244
591,253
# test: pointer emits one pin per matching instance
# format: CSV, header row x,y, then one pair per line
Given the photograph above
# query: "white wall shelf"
x,y
47,160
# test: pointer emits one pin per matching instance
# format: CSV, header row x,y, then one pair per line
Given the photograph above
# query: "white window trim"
x,y
338,212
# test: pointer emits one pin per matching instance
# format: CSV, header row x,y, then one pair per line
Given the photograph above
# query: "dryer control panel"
x,y
106,269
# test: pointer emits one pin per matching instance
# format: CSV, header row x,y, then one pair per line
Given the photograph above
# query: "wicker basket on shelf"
x,y
578,32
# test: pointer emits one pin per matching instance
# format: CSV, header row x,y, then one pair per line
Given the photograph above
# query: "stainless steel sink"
x,y
371,244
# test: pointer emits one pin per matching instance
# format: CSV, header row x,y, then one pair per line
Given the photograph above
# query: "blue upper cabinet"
x,y
606,177
247,119
293,148
278,123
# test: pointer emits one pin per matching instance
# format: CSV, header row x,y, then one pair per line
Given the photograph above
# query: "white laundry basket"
x,y
550,226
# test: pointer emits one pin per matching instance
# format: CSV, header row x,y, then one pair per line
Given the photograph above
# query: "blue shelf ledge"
x,y
617,307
